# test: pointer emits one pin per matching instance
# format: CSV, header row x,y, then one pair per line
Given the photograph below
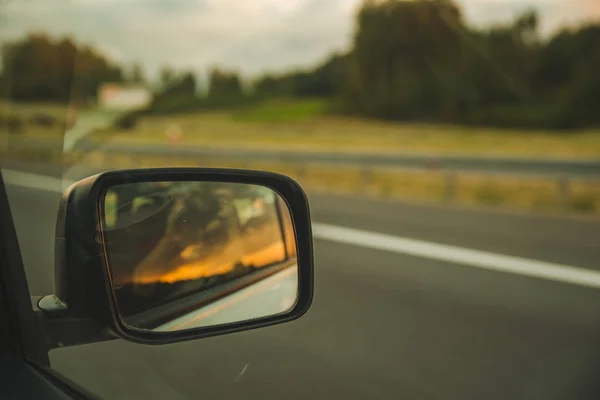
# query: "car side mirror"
x,y
164,255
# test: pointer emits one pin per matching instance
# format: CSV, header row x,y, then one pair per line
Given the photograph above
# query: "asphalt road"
x,y
383,324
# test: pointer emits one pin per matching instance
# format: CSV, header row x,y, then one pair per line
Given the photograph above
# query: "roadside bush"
x,y
517,116
12,124
585,202
580,109
127,121
44,120
174,104
182,104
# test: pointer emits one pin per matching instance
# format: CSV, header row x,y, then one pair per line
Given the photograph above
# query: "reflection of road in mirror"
x,y
273,295
176,248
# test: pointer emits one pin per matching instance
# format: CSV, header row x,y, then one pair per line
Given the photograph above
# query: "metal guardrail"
x,y
367,179
563,183
565,172
460,163
504,165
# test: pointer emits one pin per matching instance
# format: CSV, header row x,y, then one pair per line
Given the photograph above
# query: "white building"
x,y
113,96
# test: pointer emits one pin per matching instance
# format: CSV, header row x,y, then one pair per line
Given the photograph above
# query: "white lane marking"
x,y
34,181
378,241
459,255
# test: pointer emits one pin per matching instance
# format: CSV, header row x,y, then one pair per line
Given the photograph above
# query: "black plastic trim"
x,y
83,278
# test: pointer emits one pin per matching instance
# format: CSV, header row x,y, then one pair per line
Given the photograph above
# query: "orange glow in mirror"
x,y
176,247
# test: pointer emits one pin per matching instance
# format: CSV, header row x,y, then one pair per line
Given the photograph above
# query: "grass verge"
x,y
293,126
283,111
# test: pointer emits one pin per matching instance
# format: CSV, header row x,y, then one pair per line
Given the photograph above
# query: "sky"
x,y
250,36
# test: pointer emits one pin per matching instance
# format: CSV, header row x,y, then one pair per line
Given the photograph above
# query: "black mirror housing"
x,y
84,287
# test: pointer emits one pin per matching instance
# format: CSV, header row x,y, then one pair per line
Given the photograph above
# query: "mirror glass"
x,y
185,255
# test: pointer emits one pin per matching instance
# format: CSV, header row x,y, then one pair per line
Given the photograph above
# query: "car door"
x,y
32,326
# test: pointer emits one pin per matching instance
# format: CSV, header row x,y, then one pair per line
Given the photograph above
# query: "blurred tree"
x,y
419,60
407,60
167,77
37,68
223,84
67,56
137,75
567,55
33,69
181,87
179,95
569,72
188,84
511,59
272,85
325,80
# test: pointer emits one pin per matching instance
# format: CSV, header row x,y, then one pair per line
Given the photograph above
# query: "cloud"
x,y
247,35
250,36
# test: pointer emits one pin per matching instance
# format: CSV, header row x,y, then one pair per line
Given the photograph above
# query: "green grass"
x,y
25,110
278,111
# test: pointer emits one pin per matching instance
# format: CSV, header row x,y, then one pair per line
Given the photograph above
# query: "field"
x,y
305,125
471,189
26,124
27,109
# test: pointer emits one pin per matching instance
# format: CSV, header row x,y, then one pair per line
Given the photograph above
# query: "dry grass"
x,y
27,109
525,194
352,135
326,134
31,131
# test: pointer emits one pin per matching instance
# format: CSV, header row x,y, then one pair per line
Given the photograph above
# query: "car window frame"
x,y
24,346
25,333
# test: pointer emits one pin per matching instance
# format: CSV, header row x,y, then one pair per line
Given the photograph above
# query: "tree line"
x,y
419,60
409,60
39,69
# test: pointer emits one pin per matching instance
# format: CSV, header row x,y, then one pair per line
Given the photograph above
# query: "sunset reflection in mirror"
x,y
168,241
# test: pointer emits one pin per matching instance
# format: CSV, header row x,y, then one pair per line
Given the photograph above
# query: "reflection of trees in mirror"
x,y
199,222
157,293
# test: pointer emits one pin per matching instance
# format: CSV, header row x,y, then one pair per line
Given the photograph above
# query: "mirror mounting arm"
x,y
64,330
